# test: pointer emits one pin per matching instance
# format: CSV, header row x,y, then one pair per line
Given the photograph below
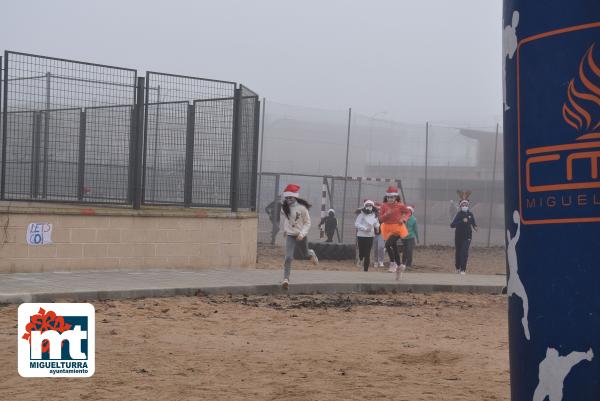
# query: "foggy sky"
x,y
410,61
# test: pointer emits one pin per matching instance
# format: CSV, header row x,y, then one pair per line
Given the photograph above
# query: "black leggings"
x,y
364,251
407,252
391,245
462,253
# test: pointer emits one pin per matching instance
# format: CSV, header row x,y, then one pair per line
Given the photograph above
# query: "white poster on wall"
x,y
39,233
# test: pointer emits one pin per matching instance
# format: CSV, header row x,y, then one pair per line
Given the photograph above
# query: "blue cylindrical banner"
x,y
551,73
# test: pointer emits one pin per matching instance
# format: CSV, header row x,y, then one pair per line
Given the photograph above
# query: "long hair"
x,y
397,197
286,208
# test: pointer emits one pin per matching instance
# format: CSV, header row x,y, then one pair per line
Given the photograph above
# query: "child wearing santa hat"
x,y
393,215
296,223
464,224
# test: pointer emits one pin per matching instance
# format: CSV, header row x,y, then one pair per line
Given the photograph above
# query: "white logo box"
x,y
81,365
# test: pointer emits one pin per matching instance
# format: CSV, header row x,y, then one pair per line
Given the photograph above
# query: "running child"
x,y
296,223
393,215
366,223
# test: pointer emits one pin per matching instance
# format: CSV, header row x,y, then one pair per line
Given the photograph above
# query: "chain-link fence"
x,y
80,132
465,159
432,161
52,109
189,135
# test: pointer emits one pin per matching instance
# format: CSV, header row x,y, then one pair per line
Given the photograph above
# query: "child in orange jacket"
x,y
393,215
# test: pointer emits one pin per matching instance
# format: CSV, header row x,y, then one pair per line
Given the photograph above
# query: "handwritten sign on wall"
x,y
39,233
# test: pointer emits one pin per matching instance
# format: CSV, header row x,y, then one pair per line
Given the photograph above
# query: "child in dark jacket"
x,y
330,223
464,224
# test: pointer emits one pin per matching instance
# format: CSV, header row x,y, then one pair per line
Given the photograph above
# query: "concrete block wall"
x,y
119,238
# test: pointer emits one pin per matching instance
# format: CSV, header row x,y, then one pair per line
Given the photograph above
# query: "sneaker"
x,y
313,257
393,267
399,271
358,263
381,264
285,284
463,272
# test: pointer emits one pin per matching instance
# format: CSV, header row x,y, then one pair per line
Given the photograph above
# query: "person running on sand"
x,y
464,224
393,215
408,243
296,223
366,223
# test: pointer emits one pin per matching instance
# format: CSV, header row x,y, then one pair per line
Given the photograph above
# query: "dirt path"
x,y
388,347
426,259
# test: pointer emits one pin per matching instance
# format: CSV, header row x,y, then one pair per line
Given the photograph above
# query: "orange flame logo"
x,y
581,111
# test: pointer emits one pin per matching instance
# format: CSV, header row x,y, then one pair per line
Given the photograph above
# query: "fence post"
x,y
138,142
426,182
276,191
155,149
276,199
46,136
81,162
262,144
346,171
399,185
35,153
330,191
189,155
489,237
3,111
145,110
130,175
235,151
254,177
360,202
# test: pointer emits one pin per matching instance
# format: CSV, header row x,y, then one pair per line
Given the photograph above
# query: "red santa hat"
x,y
411,208
464,202
369,202
291,190
392,191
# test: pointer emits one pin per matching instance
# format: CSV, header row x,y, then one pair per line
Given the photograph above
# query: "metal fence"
x,y
89,133
431,160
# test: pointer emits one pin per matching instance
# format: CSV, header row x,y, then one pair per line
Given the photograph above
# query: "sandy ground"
x,y
425,259
437,347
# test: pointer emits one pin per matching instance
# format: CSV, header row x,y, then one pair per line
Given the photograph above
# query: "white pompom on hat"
x,y
291,190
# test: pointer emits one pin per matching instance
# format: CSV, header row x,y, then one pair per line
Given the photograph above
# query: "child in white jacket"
x,y
296,224
366,223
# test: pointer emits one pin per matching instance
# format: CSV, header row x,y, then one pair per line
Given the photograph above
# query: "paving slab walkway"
x,y
49,287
